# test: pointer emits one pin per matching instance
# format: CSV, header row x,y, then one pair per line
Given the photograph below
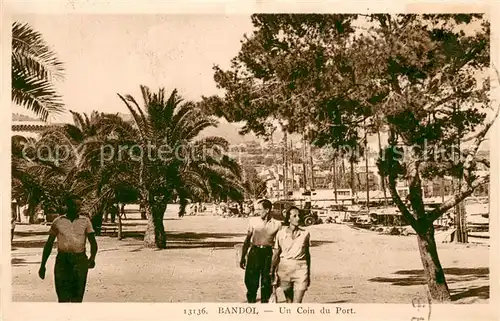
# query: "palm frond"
x,y
115,124
181,113
30,50
35,67
37,95
144,121
192,130
137,118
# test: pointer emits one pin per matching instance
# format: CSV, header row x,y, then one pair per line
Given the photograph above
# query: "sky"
x,y
108,54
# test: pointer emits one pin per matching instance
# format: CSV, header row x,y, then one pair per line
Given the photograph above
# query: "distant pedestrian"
x,y
260,240
142,209
12,226
97,223
291,268
72,265
113,211
122,212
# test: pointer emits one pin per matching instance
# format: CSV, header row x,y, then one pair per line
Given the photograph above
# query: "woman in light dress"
x,y
291,269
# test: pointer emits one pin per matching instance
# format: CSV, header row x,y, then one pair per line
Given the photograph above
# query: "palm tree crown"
x,y
35,67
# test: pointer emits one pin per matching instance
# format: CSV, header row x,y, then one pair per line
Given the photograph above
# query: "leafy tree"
x,y
172,160
26,188
47,169
255,187
331,77
35,68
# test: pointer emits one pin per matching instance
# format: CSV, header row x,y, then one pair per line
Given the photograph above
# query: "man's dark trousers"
x,y
70,276
258,270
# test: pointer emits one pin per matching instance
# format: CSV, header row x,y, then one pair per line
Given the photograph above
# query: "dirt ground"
x,y
348,265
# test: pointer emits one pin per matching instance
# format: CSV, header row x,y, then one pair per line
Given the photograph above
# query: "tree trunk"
x,y
31,213
334,177
149,236
120,235
433,270
418,219
304,161
460,223
182,206
367,182
442,189
382,178
285,167
292,170
353,185
312,166
97,223
155,236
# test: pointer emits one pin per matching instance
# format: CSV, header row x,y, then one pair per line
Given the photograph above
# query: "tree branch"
x,y
415,193
480,137
392,176
399,203
438,212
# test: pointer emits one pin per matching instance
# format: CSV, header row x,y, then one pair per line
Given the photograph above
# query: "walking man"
x,y
72,264
260,240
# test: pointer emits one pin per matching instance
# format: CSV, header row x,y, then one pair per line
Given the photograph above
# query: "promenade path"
x,y
348,265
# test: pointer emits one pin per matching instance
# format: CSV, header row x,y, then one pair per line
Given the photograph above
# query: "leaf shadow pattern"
x,y
338,301
28,243
453,275
30,233
15,261
188,240
480,292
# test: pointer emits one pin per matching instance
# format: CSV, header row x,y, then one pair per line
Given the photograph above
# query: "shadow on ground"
x,y
189,240
33,233
450,271
480,292
185,236
28,244
339,301
453,275
21,262
319,243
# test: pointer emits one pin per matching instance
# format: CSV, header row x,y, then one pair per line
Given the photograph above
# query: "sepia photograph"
x,y
333,158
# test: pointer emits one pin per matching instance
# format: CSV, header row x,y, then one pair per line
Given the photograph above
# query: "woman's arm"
x,y
275,263
308,258
276,259
276,256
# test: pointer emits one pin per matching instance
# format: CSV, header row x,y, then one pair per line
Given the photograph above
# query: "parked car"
x,y
310,216
364,221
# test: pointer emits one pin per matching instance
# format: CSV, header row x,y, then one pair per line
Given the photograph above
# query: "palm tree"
x,y
58,167
101,185
35,67
39,178
26,188
177,163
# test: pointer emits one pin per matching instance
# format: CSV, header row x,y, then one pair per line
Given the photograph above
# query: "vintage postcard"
x,y
270,160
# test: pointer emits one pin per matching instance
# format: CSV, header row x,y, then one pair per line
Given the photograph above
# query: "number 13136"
x,y
202,311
